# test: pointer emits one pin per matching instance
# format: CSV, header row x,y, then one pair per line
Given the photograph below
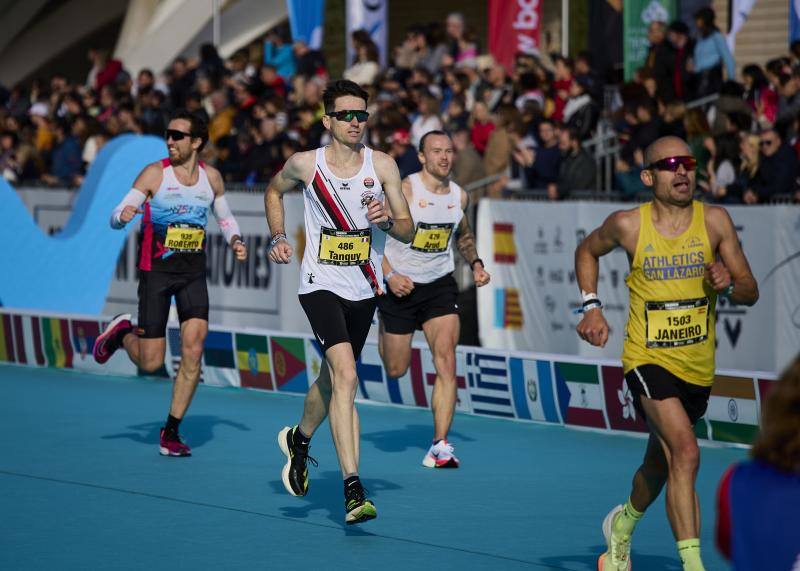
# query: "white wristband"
x,y
588,296
389,275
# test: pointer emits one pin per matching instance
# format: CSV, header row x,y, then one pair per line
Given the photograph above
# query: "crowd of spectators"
x,y
530,127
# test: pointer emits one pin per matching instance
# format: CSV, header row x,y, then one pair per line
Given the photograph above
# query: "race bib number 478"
x,y
344,247
432,238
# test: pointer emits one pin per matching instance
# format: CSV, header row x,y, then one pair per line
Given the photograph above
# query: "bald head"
x,y
665,147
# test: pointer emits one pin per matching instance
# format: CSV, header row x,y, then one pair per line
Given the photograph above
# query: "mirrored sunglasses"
x,y
348,115
673,163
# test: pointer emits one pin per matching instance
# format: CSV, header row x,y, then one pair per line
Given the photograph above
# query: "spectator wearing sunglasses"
x,y
776,172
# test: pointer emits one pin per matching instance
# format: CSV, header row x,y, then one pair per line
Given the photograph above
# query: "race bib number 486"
x,y
676,323
344,247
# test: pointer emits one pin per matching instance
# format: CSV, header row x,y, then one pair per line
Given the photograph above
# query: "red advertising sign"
x,y
514,27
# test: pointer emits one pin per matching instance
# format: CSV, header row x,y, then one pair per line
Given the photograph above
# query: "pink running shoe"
x,y
172,444
109,340
440,455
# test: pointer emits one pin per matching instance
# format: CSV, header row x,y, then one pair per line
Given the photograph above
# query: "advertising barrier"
x,y
535,387
529,249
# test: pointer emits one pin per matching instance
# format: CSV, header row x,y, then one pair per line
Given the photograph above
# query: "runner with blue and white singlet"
x,y
174,196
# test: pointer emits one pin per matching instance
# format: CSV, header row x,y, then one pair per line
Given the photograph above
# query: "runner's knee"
x,y
686,458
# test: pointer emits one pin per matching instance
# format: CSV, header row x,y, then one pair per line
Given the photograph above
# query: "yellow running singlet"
x,y
671,316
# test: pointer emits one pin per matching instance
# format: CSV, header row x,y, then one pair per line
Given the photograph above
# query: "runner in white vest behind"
x,y
422,293
346,222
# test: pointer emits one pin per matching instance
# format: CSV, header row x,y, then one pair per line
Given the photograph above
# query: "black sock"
x,y
300,439
351,481
172,424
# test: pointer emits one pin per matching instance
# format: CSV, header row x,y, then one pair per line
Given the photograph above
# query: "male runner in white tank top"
x,y
346,220
175,195
422,292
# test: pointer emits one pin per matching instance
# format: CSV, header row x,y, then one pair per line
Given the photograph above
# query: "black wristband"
x,y
389,223
475,261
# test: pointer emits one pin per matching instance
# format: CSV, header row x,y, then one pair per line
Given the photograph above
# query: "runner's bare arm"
x,y
597,244
389,175
297,170
745,287
465,242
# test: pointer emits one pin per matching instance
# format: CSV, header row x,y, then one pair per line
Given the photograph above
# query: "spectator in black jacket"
x,y
661,60
577,169
777,169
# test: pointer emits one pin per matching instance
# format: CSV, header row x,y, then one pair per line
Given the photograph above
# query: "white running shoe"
x,y
618,556
440,455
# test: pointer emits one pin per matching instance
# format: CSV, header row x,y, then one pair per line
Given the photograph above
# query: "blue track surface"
x,y
83,487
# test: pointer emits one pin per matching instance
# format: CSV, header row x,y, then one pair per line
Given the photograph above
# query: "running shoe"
x,y
295,471
359,508
111,339
172,445
440,455
618,556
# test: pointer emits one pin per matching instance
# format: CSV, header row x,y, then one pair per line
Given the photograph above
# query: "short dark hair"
x,y
198,128
342,88
428,134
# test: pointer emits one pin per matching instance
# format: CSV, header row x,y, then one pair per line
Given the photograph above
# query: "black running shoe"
x,y
359,509
295,472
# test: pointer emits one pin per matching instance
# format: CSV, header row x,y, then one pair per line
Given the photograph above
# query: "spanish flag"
x,y
505,252
57,344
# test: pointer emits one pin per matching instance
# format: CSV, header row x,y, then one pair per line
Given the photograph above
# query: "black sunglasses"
x,y
348,115
673,163
175,135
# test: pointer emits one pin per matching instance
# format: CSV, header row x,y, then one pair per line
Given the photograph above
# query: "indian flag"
x,y
732,410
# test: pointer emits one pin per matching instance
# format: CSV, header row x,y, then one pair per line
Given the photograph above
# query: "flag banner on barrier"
x,y
219,358
252,360
289,364
579,396
314,359
7,352
622,415
733,410
570,390
57,345
487,379
84,335
532,387
370,375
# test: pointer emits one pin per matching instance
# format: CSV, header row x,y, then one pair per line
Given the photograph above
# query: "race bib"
x,y
344,247
431,238
183,238
676,323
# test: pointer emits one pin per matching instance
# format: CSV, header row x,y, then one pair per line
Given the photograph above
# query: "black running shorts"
x,y
155,294
337,320
657,383
402,315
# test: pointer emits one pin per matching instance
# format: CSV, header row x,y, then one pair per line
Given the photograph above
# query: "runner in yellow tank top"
x,y
682,255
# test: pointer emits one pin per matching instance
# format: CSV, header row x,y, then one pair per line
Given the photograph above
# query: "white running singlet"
x,y
429,256
343,250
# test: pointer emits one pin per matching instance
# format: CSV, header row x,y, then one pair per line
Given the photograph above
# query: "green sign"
x,y
637,15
